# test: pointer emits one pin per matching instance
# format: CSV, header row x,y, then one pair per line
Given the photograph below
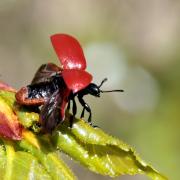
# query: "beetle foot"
x,y
94,126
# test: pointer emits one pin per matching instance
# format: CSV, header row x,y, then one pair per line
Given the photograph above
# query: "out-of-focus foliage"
x,y
133,43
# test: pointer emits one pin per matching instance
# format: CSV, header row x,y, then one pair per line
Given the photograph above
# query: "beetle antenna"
x,y
115,90
103,81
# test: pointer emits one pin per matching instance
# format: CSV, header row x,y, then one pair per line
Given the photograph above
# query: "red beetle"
x,y
54,87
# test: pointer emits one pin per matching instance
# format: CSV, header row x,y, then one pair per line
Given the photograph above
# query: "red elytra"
x,y
76,79
73,61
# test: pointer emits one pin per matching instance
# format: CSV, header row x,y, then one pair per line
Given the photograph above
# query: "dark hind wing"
x,y
52,112
44,84
45,73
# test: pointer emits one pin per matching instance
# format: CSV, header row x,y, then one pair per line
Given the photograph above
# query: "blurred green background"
x,y
135,44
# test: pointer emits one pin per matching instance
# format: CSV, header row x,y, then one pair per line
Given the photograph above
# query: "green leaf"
x,y
48,158
2,159
8,96
22,165
42,156
34,164
36,153
26,117
100,152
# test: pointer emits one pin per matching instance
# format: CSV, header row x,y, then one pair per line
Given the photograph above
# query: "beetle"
x,y
54,87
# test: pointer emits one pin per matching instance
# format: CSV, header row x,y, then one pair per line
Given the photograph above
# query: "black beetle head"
x,y
95,90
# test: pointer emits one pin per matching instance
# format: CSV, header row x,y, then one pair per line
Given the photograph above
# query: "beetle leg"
x,y
74,107
74,111
82,114
69,105
71,121
86,107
